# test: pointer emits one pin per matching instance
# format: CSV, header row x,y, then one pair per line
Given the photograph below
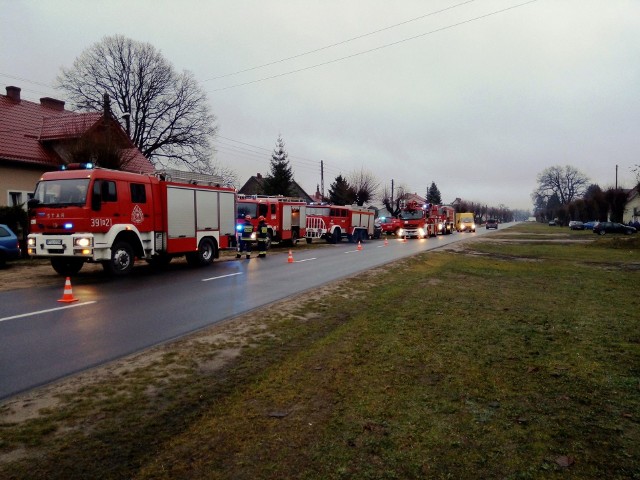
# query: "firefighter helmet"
x,y
261,218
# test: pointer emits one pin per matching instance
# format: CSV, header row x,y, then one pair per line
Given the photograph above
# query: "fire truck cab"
x,y
415,221
113,217
443,218
285,217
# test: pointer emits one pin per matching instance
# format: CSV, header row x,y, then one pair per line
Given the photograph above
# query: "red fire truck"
x,y
286,217
113,217
443,217
415,221
389,225
335,222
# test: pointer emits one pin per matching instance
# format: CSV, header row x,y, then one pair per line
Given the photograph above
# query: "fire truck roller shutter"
x,y
227,208
180,212
207,210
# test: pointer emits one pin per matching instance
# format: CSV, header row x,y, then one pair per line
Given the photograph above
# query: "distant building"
x,y
255,186
632,207
37,137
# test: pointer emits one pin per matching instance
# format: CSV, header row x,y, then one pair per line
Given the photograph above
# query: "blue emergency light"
x,y
77,166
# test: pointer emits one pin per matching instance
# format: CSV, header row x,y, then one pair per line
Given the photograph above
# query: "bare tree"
x,y
393,204
169,118
364,185
567,183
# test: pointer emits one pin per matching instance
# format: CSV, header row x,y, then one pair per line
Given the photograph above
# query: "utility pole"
x,y
391,192
616,177
322,179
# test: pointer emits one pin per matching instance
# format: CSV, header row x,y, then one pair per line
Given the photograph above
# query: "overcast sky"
x,y
477,96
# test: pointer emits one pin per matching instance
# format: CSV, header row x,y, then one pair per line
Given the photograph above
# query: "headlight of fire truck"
x,y
421,232
400,232
440,227
31,246
83,245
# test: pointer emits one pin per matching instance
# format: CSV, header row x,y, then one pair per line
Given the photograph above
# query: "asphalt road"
x,y
43,340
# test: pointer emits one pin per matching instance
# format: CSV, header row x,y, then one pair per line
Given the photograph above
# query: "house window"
x,y
16,198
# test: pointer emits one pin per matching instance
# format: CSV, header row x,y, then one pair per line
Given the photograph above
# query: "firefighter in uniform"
x,y
263,235
245,238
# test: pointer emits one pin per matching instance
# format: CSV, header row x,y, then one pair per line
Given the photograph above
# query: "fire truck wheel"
x,y
309,240
337,236
205,254
122,259
67,266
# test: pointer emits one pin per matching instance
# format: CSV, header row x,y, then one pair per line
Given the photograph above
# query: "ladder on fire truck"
x,y
279,198
315,227
193,178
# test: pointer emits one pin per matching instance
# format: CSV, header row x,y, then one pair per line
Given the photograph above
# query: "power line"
x,y
358,37
381,47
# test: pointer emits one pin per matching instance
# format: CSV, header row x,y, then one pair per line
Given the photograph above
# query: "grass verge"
x,y
502,360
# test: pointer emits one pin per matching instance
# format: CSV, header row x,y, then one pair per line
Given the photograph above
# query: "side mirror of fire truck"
x,y
96,196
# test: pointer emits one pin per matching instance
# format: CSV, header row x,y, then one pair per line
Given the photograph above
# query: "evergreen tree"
x,y
340,192
433,194
280,180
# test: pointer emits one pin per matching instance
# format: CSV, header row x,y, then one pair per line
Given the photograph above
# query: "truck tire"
x,y
309,240
336,237
67,266
205,254
122,259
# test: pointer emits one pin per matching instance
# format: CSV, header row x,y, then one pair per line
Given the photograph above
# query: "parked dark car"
x,y
9,245
576,225
611,227
589,225
492,223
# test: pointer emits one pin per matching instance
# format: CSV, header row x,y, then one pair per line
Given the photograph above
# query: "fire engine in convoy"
x,y
113,217
443,217
285,217
415,221
335,222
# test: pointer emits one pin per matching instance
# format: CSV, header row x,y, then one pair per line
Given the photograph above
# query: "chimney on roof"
x,y
258,175
52,103
13,93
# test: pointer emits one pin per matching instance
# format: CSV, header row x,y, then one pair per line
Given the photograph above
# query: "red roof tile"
x,y
68,126
26,128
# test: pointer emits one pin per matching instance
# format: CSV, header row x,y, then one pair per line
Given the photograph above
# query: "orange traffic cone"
x,y
386,242
359,246
67,297
290,259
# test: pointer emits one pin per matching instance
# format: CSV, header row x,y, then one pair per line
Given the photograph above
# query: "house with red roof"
x,y
39,137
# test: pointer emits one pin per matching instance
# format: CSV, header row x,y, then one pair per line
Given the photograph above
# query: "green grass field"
x,y
510,359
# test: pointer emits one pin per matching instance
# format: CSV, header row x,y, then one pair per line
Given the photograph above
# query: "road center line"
x,y
46,311
305,260
222,276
